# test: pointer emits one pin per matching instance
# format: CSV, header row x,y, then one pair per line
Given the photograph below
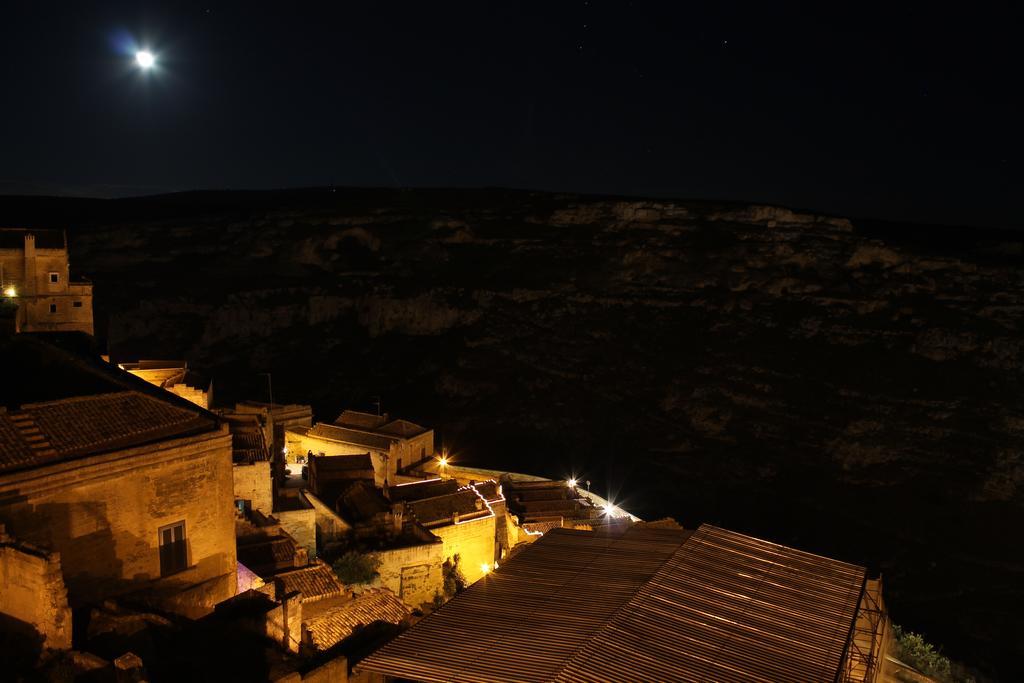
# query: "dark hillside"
x,y
850,388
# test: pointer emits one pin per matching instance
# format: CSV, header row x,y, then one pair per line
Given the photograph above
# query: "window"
x,y
423,453
77,304
173,551
54,278
398,467
53,308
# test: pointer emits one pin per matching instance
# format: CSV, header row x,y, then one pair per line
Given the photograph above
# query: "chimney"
x,y
30,264
397,515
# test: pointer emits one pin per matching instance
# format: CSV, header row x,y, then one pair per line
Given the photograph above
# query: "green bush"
x,y
914,650
454,581
353,567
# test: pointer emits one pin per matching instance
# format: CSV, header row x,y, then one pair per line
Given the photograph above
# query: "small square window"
x,y
53,308
54,278
77,304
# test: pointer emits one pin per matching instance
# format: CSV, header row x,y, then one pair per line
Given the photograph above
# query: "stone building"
x,y
280,417
250,463
466,526
175,377
130,485
33,592
544,505
393,445
35,274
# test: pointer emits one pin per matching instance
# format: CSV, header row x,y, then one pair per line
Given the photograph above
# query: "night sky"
x,y
898,113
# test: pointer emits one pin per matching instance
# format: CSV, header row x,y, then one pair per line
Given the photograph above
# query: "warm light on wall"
x,y
10,291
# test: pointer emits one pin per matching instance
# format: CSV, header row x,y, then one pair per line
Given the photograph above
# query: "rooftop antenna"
x,y
376,402
269,389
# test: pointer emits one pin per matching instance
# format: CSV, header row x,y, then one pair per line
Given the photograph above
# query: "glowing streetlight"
x,y
485,567
571,483
145,59
10,291
609,509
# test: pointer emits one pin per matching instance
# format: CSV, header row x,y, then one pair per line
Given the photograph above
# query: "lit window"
x,y
173,551
53,308
77,304
54,278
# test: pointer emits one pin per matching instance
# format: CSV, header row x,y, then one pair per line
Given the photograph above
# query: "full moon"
x,y
145,59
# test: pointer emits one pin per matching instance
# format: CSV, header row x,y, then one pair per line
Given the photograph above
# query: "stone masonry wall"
x,y
103,515
329,526
412,573
472,541
253,483
32,591
300,525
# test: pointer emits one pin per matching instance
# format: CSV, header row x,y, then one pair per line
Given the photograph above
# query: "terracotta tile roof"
x,y
351,436
422,489
15,448
441,510
248,442
643,605
343,463
86,425
540,501
315,582
266,555
401,428
327,627
361,501
77,404
358,420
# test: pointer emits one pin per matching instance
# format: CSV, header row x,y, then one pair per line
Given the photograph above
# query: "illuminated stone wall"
x,y
300,525
103,515
252,482
383,463
32,591
412,451
412,573
472,541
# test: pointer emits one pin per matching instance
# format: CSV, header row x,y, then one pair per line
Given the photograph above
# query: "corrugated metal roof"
x,y
645,605
727,607
524,621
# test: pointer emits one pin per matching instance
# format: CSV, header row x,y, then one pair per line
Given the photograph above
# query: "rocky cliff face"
x,y
850,388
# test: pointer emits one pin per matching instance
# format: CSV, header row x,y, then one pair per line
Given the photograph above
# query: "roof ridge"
x,y
86,397
590,563
627,603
